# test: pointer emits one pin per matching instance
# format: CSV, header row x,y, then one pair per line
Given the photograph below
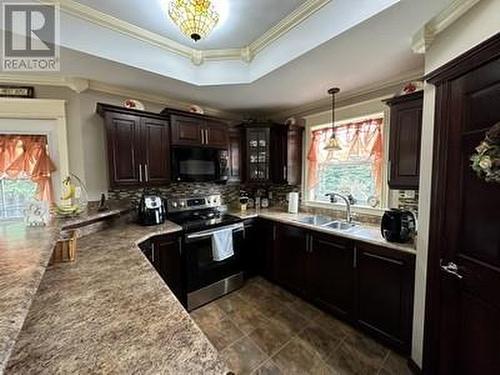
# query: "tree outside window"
x,y
356,169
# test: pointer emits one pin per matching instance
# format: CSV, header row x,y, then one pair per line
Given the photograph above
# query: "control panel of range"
x,y
195,203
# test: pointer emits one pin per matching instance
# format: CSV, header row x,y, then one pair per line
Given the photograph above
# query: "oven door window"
x,y
202,270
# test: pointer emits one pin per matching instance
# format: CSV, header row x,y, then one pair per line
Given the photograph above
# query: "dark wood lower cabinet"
x,y
165,254
289,258
253,255
368,286
331,273
385,280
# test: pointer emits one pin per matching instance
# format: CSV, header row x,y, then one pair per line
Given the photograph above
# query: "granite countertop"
x,y
24,255
110,312
364,233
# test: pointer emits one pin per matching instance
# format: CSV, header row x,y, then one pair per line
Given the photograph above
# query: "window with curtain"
x,y
356,169
25,173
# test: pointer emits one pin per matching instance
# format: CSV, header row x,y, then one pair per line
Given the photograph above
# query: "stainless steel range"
x,y
212,248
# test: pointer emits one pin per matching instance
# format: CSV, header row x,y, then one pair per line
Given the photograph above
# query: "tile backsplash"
x,y
230,197
229,192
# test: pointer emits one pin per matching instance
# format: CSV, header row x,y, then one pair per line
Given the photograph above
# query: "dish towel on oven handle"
x,y
222,245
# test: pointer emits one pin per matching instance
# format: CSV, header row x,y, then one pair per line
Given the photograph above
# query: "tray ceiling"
x,y
243,21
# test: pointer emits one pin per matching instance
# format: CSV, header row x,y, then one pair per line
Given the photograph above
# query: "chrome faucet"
x,y
347,201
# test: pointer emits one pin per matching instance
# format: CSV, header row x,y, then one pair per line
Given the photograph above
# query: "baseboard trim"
x,y
415,369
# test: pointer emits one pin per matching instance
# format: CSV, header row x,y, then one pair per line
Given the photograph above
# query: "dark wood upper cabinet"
x,y
294,138
385,283
216,134
138,147
196,130
234,154
331,273
404,141
123,133
257,154
272,153
186,131
156,150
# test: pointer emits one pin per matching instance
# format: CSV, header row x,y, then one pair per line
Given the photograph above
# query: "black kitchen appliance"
x,y
197,164
205,278
398,225
151,210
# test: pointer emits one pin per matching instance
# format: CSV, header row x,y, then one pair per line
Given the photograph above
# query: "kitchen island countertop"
x,y
110,312
24,255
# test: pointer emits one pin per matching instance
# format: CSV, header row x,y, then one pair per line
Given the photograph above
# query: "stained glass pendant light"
x,y
333,143
195,18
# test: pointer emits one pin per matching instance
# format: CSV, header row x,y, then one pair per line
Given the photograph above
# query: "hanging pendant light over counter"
x,y
333,143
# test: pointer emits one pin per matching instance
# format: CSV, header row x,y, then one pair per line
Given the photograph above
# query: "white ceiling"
x,y
375,51
243,22
97,34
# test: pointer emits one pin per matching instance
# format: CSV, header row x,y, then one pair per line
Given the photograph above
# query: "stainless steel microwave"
x,y
197,164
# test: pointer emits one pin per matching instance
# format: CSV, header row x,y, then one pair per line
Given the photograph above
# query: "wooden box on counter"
x,y
65,249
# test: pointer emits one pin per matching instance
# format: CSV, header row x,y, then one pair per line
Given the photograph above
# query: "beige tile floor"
x,y
262,329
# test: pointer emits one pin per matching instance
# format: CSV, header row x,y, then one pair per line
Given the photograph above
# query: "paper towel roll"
x,y
293,203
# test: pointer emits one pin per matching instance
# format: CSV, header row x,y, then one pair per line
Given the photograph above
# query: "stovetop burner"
x,y
199,213
198,221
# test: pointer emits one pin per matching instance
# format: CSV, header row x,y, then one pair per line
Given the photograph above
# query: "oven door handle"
x,y
235,228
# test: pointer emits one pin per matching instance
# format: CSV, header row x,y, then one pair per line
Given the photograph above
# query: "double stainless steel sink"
x,y
326,222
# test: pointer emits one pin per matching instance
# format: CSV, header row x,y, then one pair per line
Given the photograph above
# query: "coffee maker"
x,y
151,210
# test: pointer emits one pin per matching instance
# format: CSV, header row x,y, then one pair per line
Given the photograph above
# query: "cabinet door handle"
x,y
206,136
284,173
202,136
355,258
140,172
153,252
385,259
274,232
146,172
389,169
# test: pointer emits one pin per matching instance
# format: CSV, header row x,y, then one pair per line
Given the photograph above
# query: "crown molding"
x,y
102,19
156,98
344,100
197,56
299,15
424,38
80,85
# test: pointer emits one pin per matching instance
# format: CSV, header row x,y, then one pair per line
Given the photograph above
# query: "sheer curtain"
x,y
361,140
26,156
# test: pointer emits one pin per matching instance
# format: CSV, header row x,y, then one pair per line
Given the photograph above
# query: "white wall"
x,y
477,25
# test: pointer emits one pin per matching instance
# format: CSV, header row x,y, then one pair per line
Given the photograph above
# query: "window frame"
x,y
384,202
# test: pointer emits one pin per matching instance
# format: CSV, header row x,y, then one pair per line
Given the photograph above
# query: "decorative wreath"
x,y
486,159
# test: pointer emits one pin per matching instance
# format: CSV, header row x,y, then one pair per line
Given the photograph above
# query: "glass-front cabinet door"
x,y
258,157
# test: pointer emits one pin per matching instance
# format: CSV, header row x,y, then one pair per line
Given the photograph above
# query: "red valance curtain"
x,y
26,156
361,140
